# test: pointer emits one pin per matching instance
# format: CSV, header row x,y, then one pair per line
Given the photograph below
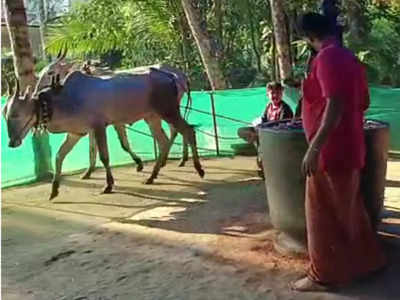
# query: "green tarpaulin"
x,y
245,104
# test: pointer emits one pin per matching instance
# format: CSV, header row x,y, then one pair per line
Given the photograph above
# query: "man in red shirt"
x,y
342,245
276,110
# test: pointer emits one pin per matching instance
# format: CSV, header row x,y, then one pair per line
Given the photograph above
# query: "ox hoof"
x,y
201,173
107,189
139,168
53,195
149,181
182,163
86,175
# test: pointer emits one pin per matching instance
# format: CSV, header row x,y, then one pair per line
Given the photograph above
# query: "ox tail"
x,y
188,102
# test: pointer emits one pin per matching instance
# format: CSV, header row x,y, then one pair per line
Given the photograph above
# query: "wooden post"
x,y
214,122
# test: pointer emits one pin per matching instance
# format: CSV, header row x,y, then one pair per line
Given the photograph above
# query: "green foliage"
x,y
94,27
7,70
380,50
146,32
40,65
384,52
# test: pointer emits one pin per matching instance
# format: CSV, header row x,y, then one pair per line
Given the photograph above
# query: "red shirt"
x,y
274,111
335,71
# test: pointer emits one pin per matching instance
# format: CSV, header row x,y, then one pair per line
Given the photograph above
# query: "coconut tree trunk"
x,y
19,38
281,38
205,45
24,68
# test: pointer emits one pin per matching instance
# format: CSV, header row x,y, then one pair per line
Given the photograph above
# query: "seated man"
x,y
276,110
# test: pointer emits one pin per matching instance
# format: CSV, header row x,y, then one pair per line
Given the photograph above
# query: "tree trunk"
x,y
281,38
219,16
293,34
357,21
275,70
20,44
24,69
42,8
184,29
253,39
205,46
272,50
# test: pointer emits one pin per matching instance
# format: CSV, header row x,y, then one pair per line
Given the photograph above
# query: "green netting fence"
x,y
233,108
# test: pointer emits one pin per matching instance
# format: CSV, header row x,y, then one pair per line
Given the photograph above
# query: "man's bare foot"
x,y
307,285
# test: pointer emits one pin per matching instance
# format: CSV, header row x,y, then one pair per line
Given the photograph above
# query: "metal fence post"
x,y
155,148
214,122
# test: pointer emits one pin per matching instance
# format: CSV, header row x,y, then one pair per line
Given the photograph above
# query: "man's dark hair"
x,y
274,85
313,25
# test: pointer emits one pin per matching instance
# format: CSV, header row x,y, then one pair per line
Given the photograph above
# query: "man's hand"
x,y
330,120
310,162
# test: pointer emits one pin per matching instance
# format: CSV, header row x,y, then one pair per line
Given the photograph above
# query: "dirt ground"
x,y
181,238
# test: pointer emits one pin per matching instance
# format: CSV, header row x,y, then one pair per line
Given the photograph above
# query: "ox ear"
x,y
68,66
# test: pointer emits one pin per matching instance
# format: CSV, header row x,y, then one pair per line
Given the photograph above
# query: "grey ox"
x,y
62,68
86,104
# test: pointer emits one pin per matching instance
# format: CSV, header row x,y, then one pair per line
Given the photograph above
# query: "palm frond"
x,y
90,28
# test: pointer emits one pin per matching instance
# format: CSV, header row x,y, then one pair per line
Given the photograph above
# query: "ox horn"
x,y
61,55
65,52
27,92
53,78
16,92
57,80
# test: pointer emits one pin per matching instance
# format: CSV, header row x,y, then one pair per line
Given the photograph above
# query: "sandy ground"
x,y
181,238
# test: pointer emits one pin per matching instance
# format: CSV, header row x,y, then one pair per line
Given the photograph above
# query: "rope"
x,y
219,116
213,135
213,150
138,131
175,143
198,130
